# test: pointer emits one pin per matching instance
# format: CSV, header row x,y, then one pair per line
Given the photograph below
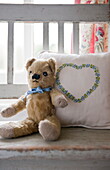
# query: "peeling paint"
x,y
74,144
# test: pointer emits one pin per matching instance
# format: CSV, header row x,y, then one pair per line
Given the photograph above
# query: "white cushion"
x,y
93,108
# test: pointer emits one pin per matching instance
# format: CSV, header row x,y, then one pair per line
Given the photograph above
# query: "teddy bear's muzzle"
x,y
36,76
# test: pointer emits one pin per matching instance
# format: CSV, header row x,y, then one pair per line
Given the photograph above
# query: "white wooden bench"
x,y
46,13
77,148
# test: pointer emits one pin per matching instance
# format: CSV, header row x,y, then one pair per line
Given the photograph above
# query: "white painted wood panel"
x,y
76,38
12,90
61,37
45,13
52,164
46,36
33,12
10,52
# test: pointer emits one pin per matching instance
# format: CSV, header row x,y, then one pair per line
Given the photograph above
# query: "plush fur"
x,y
40,106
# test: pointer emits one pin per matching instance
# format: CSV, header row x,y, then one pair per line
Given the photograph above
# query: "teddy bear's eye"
x,y
45,73
30,72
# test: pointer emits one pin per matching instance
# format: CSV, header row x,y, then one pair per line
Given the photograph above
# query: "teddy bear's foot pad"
x,y
7,131
48,130
10,111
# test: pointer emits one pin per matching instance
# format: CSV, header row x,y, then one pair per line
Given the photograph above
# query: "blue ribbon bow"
x,y
38,90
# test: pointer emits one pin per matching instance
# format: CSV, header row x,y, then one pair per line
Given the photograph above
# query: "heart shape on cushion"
x,y
88,92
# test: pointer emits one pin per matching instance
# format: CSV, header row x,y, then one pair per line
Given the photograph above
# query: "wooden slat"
x,y
76,38
35,12
12,90
10,52
61,37
46,36
28,1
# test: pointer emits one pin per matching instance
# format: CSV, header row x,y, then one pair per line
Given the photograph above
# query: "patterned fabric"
x,y
93,1
85,37
93,37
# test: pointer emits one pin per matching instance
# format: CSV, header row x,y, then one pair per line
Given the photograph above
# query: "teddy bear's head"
x,y
41,72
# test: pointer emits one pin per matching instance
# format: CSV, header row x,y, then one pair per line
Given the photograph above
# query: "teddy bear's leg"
x,y
17,129
50,128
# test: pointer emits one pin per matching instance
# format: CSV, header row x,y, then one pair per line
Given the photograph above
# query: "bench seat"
x,y
77,148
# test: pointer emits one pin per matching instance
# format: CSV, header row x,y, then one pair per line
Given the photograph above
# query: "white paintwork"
x,y
46,36
33,12
12,90
53,165
61,37
28,1
55,154
44,13
33,153
53,159
76,38
10,52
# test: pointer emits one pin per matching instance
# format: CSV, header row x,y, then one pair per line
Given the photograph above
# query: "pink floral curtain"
x,y
93,37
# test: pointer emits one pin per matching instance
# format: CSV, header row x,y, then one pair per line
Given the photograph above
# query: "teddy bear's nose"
x,y
36,76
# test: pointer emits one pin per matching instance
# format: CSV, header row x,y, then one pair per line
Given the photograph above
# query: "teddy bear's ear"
x,y
52,64
29,62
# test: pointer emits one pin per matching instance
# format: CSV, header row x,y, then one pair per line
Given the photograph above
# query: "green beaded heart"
x,y
88,92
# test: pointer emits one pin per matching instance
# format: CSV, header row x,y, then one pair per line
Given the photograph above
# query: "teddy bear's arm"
x,y
58,99
14,108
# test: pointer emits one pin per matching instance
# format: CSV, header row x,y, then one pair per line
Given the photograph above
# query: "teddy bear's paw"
x,y
48,130
61,102
6,131
10,111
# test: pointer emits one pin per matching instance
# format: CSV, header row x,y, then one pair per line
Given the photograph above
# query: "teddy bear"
x,y
40,102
